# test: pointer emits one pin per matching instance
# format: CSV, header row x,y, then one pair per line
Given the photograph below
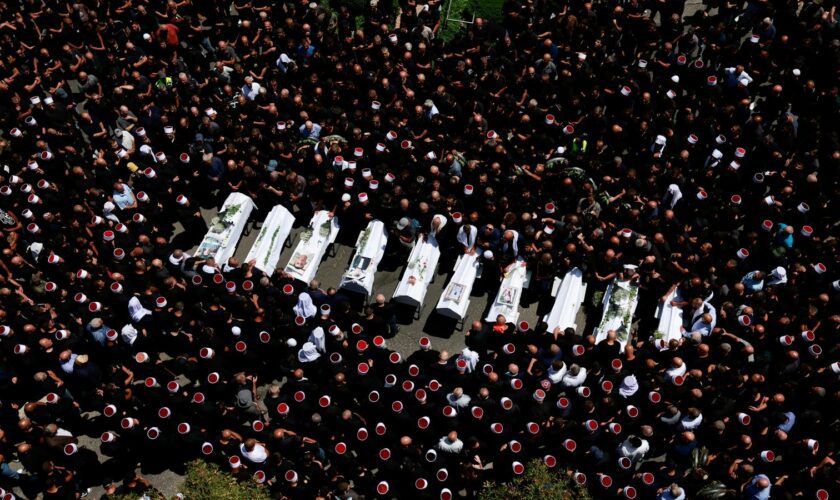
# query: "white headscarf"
x,y
443,222
673,195
308,353
471,357
129,334
777,276
628,386
317,337
136,309
305,307
468,240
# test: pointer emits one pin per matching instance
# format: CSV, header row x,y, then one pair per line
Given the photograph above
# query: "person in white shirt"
x,y
557,371
575,377
253,451
673,492
633,448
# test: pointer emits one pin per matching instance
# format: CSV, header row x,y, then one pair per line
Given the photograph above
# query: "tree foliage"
x,y
205,481
538,483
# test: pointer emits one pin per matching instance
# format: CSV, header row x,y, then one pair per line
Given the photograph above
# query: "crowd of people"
x,y
623,138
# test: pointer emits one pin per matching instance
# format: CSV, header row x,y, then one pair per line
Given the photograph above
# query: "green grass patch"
x,y
464,10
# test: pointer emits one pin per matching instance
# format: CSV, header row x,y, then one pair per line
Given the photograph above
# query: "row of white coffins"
x,y
619,301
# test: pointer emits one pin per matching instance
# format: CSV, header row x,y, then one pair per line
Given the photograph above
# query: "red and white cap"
x,y
477,412
291,476
108,437
425,343
605,480
744,419
423,423
654,397
468,189
109,410
164,412
213,378
591,425
382,488
517,468
578,350
509,348
819,268
768,456
181,199
362,434
153,433
340,448
626,91
497,428
95,306
815,350
127,423
184,428
457,217
549,119
563,402
507,403
206,353
70,449
629,492
299,396
803,208
380,429
445,494
744,320
283,409
442,474
363,368
743,253
808,336
615,428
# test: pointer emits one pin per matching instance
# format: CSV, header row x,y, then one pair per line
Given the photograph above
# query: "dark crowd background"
x,y
699,135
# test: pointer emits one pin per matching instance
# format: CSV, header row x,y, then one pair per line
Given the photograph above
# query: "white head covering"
x,y
673,195
305,307
777,276
317,338
468,240
443,222
129,334
308,353
136,309
471,357
628,386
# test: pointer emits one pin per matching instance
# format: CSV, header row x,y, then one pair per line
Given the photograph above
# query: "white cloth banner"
x,y
268,246
455,299
419,272
313,244
509,294
620,301
670,321
370,247
567,302
225,229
